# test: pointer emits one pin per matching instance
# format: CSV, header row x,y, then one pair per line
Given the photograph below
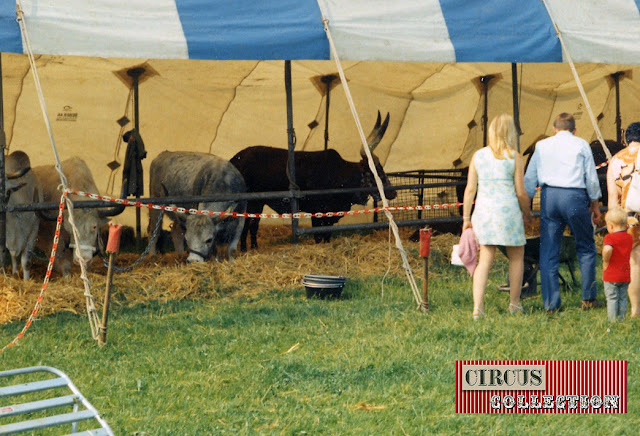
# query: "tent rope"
x,y
392,224
578,82
92,313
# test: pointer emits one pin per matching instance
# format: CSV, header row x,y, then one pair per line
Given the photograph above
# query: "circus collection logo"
x,y
541,386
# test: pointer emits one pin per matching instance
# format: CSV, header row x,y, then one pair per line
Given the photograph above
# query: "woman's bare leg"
x,y
516,270
480,275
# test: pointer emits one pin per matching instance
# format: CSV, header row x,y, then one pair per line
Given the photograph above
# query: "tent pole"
x,y
3,205
616,79
327,79
135,74
516,105
291,137
485,113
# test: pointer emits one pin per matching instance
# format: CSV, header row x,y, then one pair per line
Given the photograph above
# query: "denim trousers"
x,y
560,207
616,294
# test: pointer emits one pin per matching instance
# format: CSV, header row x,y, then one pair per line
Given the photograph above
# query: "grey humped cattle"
x,y
181,174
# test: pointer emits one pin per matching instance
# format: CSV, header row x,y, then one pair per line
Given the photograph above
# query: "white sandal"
x,y
477,314
515,308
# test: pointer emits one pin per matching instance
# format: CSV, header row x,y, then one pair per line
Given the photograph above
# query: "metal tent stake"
x,y
113,246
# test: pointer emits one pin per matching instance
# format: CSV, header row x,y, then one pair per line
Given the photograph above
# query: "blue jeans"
x,y
560,207
616,294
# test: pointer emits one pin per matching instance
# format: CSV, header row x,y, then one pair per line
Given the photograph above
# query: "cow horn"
x,y
113,210
18,174
47,215
377,133
229,210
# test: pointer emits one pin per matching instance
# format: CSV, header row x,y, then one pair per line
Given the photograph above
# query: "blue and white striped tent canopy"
x,y
213,77
401,30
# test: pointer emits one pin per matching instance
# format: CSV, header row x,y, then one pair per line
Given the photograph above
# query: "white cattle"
x,y
88,221
22,187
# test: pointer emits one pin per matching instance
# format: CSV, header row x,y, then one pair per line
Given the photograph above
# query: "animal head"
x,y
17,164
88,224
202,231
368,179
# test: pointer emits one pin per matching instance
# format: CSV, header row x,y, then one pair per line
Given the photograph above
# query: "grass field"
x,y
278,363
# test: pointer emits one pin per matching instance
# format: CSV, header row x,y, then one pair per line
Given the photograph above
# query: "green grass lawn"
x,y
278,363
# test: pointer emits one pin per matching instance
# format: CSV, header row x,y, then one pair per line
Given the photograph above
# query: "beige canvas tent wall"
x,y
222,107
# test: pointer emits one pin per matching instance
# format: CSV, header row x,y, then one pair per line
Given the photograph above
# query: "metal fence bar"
x,y
378,225
88,204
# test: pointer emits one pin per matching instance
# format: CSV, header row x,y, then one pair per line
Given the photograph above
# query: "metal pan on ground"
x,y
320,286
320,277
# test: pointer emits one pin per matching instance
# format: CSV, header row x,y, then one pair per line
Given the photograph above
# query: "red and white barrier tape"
x,y
56,238
47,276
261,215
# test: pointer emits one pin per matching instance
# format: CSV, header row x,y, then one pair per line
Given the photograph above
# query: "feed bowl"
x,y
324,287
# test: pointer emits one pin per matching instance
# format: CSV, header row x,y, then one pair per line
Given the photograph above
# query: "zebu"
x,y
180,174
265,169
88,221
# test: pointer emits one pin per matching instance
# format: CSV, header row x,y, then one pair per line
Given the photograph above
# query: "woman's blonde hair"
x,y
502,136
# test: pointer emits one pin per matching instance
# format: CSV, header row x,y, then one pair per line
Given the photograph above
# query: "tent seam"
x,y
17,100
404,114
231,100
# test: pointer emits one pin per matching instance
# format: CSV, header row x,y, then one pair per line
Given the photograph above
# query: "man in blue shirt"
x,y
563,167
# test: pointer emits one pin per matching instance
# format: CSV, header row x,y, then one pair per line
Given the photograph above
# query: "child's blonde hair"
x,y
616,216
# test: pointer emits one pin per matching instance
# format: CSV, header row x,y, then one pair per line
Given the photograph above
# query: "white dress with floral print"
x,y
496,219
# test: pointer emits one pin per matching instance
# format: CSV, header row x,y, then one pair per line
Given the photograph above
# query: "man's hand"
x,y
595,210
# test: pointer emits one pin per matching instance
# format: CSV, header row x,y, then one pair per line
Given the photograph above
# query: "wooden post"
x,y
113,246
425,248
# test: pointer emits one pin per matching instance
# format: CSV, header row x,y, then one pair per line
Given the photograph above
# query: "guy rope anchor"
x,y
113,246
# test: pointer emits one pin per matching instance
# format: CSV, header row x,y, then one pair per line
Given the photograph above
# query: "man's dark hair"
x,y
565,121
632,133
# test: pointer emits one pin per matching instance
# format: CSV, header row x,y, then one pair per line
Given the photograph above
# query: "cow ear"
x,y
182,217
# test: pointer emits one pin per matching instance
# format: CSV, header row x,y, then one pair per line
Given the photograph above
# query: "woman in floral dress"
x,y
496,175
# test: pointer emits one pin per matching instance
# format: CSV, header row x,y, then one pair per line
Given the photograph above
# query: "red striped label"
x,y
570,386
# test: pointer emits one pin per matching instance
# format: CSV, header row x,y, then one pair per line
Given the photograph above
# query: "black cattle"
x,y
265,169
599,158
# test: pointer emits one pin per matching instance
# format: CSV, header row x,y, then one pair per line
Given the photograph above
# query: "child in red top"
x,y
616,272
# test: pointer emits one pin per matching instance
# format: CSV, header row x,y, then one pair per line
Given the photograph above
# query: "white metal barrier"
x,y
82,410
